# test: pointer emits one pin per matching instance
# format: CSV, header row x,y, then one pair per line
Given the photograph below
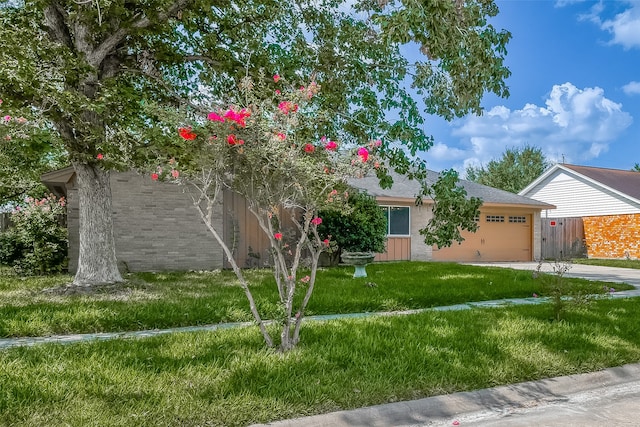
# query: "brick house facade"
x,y
613,236
154,224
157,228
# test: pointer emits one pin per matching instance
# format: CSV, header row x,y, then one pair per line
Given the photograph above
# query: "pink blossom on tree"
x,y
331,146
187,134
363,153
214,117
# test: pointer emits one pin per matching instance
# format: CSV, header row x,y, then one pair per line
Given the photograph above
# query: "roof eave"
x,y
536,206
541,178
60,176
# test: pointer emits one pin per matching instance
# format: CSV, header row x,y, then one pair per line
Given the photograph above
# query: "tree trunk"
x,y
97,262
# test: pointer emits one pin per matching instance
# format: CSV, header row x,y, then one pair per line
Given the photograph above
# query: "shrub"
x,y
10,248
36,244
362,229
563,294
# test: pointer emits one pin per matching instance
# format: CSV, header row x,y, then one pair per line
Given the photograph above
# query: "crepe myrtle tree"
x,y
265,148
94,73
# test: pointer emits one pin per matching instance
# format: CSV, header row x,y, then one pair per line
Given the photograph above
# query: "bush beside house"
x,y
36,243
362,229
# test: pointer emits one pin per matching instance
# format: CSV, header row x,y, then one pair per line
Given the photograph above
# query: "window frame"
x,y
387,208
494,218
518,219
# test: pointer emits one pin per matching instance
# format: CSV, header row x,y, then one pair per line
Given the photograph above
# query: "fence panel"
x,y
4,221
563,238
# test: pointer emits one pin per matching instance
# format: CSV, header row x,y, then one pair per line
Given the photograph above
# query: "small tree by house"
x,y
267,149
516,169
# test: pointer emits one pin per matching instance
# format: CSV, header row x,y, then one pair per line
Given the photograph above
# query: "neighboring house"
x,y
607,201
157,228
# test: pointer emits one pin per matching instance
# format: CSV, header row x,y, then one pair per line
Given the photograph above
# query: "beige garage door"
x,y
501,236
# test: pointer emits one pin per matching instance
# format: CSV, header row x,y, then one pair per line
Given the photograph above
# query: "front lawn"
x,y
623,263
228,378
163,300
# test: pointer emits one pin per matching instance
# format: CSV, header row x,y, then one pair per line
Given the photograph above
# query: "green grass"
x,y
229,378
623,263
163,300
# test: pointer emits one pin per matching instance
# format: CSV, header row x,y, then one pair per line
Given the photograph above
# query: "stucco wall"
x,y
420,215
155,227
613,236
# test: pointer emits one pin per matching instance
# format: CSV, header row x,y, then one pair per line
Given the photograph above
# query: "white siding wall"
x,y
576,198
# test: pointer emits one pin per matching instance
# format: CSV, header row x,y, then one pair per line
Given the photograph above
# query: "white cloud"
x,y
594,14
631,88
623,27
563,3
441,152
574,125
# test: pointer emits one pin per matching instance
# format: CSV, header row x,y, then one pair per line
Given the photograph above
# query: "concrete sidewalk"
x,y
603,398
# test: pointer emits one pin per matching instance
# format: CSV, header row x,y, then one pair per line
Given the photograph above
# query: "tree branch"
x,y
181,100
108,45
54,20
202,58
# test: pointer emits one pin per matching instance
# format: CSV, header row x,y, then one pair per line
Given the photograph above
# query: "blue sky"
x,y
575,89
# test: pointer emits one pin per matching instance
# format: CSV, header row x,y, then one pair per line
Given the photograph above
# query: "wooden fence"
x,y
563,238
4,221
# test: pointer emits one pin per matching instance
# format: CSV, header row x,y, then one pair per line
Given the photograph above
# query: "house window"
x,y
495,218
518,219
398,223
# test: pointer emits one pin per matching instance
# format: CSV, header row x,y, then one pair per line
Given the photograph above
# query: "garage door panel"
x,y
500,237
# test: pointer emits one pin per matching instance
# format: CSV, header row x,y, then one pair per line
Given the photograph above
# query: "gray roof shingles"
x,y
406,188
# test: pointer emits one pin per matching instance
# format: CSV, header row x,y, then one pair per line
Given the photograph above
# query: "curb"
x,y
467,408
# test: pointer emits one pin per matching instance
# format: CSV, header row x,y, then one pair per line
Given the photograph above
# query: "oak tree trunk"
x,y
97,262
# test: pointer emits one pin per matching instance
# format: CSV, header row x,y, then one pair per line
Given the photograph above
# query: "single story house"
x,y
606,200
509,224
157,228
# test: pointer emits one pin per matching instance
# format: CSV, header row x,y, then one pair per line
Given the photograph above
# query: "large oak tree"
x,y
99,73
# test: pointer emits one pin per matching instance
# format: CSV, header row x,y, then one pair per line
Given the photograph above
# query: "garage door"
x,y
501,236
